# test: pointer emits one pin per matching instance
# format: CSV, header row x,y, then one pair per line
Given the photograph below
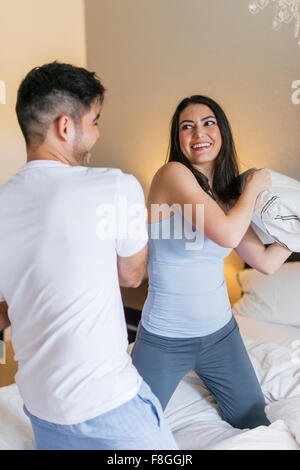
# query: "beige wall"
x,y
152,53
33,32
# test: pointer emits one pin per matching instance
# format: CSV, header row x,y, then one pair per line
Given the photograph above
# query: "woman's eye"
x,y
186,126
209,123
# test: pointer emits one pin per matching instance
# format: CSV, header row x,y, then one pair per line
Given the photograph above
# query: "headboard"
x,y
293,257
2,351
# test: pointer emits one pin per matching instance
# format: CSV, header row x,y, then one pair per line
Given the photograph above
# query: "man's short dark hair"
x,y
52,90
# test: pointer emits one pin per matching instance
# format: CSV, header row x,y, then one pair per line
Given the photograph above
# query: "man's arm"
x,y
132,234
131,269
4,320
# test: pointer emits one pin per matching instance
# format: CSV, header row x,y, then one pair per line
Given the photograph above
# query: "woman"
x,y
187,323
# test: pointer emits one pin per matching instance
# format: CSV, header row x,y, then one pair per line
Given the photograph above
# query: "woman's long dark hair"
x,y
226,171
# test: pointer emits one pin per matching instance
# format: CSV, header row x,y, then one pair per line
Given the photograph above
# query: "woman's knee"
x,y
247,418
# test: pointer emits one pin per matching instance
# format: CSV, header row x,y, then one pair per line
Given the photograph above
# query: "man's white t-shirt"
x,y
61,229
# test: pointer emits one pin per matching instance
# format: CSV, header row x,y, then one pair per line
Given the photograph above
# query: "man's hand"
x,y
4,320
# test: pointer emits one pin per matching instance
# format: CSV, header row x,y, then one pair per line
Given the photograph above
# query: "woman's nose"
x,y
199,131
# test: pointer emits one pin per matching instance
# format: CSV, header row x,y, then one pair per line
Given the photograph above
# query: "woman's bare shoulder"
x,y
173,183
172,176
163,180
172,170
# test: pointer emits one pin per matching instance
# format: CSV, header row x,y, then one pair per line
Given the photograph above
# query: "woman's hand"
x,y
259,181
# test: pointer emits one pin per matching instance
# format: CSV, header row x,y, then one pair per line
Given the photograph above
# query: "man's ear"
x,y
65,128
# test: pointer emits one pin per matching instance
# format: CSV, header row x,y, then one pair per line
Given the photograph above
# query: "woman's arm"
x,y
4,320
266,260
175,184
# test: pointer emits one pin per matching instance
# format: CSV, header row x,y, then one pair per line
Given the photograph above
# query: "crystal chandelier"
x,y
284,12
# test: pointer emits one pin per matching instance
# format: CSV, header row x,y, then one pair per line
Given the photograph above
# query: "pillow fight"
x,y
60,276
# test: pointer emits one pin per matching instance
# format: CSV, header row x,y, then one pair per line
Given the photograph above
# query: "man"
x,y
60,274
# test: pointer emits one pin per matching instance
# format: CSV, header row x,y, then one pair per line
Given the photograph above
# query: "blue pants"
x,y
220,360
138,424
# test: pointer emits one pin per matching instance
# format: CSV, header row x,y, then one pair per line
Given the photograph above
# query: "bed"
x,y
193,414
268,315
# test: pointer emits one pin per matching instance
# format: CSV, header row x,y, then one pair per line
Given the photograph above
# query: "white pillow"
x,y
276,215
272,298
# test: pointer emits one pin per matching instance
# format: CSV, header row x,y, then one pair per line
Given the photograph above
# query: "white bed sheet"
x,y
15,428
194,419
192,413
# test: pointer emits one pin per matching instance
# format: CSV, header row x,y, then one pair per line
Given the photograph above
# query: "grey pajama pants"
x,y
220,360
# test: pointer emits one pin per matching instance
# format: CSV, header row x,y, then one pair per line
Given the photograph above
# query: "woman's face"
x,y
199,135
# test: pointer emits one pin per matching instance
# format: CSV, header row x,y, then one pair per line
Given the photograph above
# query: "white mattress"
x,y
192,413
